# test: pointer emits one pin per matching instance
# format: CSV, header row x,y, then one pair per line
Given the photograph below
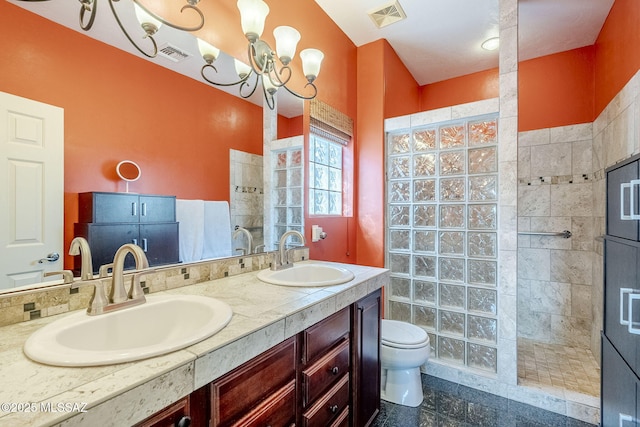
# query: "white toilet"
x,y
405,347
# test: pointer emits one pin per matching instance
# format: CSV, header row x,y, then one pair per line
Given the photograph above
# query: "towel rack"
x,y
565,234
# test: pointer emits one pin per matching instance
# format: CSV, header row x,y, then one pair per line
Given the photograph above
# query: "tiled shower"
x,y
442,198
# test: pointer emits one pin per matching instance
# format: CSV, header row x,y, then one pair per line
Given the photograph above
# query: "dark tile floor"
x,y
447,404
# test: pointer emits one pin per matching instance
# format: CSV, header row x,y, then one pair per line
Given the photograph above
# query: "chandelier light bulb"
x,y
252,16
287,39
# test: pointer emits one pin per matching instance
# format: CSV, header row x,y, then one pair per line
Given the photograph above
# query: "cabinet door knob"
x,y
335,370
333,408
184,421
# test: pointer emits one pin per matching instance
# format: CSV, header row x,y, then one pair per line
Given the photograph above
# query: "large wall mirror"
x,y
88,78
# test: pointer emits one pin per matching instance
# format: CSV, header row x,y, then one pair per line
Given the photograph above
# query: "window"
x,y
325,176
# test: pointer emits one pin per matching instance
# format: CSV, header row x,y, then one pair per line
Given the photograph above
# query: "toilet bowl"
x,y
404,348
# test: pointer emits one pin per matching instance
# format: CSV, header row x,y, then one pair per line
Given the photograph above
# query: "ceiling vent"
x,y
387,14
172,53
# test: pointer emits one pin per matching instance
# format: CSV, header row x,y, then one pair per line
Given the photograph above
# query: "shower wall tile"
x,y
581,301
534,200
571,200
582,229
581,157
430,117
571,267
572,331
524,163
534,137
508,223
578,132
508,309
534,264
550,297
551,159
487,106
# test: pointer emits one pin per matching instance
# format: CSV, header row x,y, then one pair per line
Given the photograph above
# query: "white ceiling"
x,y
440,39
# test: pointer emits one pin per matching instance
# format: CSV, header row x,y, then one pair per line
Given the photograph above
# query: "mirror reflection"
x,y
118,106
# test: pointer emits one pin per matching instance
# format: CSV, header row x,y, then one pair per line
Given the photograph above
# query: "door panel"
x,y
31,189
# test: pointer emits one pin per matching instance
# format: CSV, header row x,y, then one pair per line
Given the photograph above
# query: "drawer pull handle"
x,y
134,209
184,421
632,326
335,370
333,408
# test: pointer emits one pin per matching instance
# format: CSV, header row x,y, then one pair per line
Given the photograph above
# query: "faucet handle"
x,y
104,270
67,275
136,291
99,298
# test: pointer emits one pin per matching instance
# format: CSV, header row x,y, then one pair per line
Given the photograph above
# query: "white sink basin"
x,y
161,325
307,275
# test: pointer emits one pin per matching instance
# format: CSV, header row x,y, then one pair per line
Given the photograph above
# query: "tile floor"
x,y
556,366
447,404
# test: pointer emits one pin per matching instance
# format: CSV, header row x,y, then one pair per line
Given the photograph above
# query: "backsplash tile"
x,y
23,306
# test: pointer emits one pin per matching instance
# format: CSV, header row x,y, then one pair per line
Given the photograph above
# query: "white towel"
x,y
190,215
217,230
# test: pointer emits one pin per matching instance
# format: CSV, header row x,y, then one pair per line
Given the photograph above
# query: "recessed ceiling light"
x,y
491,44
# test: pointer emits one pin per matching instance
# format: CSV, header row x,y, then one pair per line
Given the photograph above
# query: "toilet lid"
x,y
403,335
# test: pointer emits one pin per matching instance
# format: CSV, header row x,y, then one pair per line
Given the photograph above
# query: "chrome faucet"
x,y
240,230
80,246
281,258
118,291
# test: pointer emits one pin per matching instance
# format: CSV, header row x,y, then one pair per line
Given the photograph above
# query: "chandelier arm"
x,y
155,46
207,66
251,53
315,92
268,97
247,84
280,82
196,27
92,7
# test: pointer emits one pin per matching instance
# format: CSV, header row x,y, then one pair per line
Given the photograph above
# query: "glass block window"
x,y
288,191
325,176
442,245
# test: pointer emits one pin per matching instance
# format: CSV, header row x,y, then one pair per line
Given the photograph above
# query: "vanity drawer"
x,y
325,371
343,419
277,410
245,388
330,406
325,334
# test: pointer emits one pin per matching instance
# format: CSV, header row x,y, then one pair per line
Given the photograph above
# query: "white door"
x,y
31,190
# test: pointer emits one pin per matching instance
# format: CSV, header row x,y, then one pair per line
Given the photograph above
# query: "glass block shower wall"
x,y
442,194
288,180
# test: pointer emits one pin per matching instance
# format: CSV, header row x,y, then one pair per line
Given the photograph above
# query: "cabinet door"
x,y
176,415
626,229
621,263
239,392
160,243
108,207
619,389
366,364
104,240
157,209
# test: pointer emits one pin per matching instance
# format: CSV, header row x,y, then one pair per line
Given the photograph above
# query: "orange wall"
x,y
180,137
401,92
460,90
617,48
556,90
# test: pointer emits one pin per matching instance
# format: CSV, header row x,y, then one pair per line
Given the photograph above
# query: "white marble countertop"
x,y
34,394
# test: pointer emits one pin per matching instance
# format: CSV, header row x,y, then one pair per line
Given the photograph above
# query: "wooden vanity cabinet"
x,y
366,358
327,375
190,411
259,393
325,370
109,220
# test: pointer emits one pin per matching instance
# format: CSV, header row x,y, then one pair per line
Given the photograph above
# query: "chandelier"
x,y
266,66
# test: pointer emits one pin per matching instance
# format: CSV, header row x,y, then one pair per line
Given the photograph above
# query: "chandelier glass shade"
x,y
266,67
